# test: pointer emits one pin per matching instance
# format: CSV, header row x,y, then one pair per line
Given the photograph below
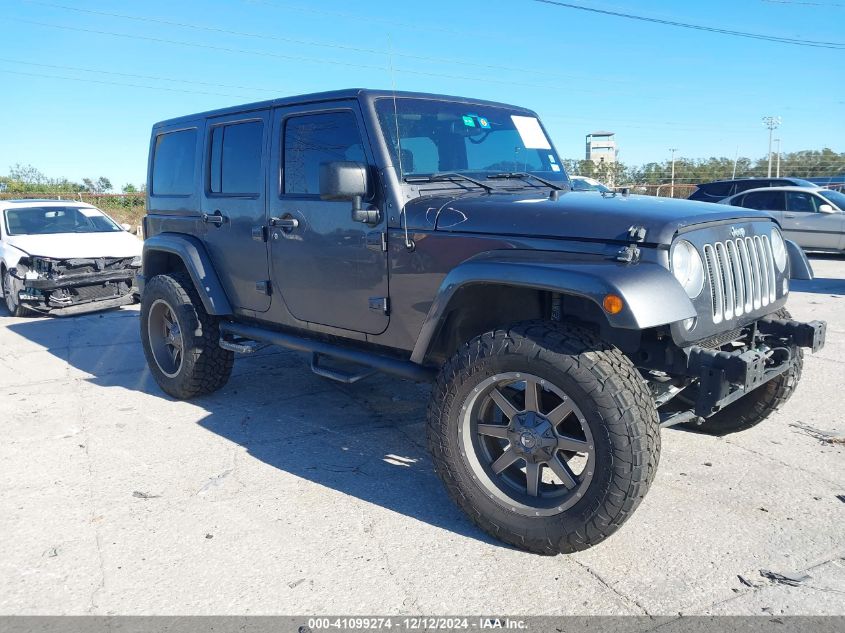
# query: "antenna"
x,y
409,244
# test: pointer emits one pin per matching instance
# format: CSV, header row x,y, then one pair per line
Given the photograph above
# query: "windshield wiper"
x,y
524,176
448,176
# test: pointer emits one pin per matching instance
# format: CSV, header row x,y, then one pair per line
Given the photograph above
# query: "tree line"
x,y
803,164
29,179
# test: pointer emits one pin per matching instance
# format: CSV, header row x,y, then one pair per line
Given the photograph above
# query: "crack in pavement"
x,y
628,601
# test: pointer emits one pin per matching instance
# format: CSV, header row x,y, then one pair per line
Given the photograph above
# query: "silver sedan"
x,y
813,217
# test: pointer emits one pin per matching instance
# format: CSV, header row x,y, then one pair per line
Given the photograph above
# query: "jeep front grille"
x,y
740,276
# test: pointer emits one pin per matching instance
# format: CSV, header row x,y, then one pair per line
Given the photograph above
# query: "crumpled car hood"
x,y
78,245
575,215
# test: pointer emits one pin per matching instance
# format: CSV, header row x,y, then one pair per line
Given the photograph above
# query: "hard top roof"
x,y
334,95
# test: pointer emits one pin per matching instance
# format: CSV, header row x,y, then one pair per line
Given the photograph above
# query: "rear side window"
x,y
718,189
173,163
235,165
764,201
752,184
314,139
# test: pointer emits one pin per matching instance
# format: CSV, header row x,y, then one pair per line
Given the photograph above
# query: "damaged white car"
x,y
61,257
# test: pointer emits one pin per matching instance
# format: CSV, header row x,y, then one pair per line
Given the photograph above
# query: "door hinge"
x,y
377,241
381,304
259,233
264,287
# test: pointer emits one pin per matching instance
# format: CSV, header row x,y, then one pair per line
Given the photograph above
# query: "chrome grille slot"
x,y
736,274
714,278
727,278
770,268
741,276
761,266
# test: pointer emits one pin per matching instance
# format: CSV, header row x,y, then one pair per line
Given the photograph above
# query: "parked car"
x,y
60,257
812,217
584,183
718,190
436,238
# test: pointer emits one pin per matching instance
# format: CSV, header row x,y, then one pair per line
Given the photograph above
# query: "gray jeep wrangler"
x,y
437,238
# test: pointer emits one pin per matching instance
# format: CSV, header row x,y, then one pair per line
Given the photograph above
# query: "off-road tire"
x,y
205,366
613,399
14,308
758,405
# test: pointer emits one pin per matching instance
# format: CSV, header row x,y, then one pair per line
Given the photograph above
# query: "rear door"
x,y
234,206
804,223
771,201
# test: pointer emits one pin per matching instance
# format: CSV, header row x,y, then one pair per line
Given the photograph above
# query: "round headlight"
x,y
779,250
688,267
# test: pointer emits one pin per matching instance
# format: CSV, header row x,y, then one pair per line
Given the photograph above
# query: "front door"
x,y
328,268
804,223
234,206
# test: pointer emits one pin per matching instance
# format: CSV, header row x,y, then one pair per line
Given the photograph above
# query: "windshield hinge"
x,y
629,254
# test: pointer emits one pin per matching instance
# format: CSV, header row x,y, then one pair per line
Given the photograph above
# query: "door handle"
x,y
216,218
789,215
286,223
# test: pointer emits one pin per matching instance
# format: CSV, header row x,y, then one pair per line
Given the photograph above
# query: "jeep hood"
x,y
575,215
78,245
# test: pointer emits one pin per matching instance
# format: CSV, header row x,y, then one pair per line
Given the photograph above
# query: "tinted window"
x,y
745,185
764,200
738,201
800,201
316,139
722,189
236,158
173,163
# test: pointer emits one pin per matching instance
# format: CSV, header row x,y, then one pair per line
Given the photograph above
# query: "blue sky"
x,y
656,86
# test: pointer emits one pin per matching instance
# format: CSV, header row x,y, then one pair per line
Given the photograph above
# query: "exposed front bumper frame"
x,y
724,377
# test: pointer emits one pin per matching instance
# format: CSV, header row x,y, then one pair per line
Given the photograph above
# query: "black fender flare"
x,y
197,262
651,294
799,264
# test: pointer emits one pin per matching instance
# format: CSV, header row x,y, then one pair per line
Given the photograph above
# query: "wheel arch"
x,y
170,252
485,293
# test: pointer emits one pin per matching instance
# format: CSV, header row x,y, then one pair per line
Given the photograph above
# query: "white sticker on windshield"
x,y
555,167
90,213
530,131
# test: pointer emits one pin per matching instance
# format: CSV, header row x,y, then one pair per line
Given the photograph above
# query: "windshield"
x,y
835,197
588,184
442,136
51,220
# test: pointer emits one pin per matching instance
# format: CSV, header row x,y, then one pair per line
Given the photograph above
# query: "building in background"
x,y
601,147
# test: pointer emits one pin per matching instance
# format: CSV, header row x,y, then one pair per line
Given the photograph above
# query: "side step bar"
x,y
403,368
338,375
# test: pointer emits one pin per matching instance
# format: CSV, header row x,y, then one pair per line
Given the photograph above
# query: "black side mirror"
x,y
347,180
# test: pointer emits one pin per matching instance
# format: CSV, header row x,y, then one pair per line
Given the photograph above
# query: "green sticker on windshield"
x,y
469,121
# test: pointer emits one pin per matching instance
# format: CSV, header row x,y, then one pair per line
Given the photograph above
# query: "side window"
x,y
235,166
751,184
738,201
314,139
173,163
800,201
764,201
717,189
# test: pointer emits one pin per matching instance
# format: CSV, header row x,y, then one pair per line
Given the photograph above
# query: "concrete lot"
x,y
288,494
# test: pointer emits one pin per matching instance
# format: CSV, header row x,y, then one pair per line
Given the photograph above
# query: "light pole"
x,y
777,171
672,186
771,122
